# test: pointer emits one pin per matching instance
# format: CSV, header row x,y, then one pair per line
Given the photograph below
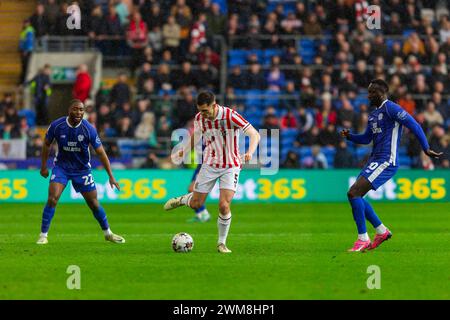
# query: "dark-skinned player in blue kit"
x,y
384,129
73,135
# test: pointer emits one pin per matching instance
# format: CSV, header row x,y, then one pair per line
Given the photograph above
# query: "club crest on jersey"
x,y
375,128
80,138
380,116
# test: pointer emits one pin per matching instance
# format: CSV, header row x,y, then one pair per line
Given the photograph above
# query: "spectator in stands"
x,y
254,78
183,15
270,120
164,106
346,114
120,92
305,120
155,39
329,136
441,106
236,79
292,161
291,24
26,47
51,9
394,26
444,30
39,21
163,79
83,83
276,80
185,109
216,21
34,146
151,162
164,128
95,29
207,55
361,75
113,29
172,34
6,102
198,32
439,143
184,77
122,11
326,115
146,73
343,158
152,15
205,78
312,26
289,121
146,128
408,103
432,116
142,106
137,39
290,103
41,88
125,129
319,159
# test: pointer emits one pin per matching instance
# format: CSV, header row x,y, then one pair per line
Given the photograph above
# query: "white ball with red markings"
x,y
182,242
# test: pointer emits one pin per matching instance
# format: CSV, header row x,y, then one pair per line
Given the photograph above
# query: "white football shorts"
x,y
208,175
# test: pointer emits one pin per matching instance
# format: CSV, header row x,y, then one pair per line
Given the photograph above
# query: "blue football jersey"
x,y
384,129
73,143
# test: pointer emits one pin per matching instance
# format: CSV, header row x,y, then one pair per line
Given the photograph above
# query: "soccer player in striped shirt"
x,y
219,126
384,129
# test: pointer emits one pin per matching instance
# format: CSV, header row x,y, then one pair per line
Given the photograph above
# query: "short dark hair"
x,y
75,102
381,83
205,97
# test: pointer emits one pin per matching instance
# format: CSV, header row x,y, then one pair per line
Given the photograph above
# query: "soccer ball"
x,y
182,242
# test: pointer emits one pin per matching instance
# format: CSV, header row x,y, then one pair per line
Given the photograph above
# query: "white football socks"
x,y
186,199
363,237
381,229
223,224
107,232
43,234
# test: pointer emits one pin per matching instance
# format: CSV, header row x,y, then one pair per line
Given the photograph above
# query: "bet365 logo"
x,y
74,20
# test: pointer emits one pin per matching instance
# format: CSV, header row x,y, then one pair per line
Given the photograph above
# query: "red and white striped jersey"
x,y
221,137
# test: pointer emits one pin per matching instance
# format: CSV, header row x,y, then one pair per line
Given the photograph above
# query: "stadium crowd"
x,y
321,85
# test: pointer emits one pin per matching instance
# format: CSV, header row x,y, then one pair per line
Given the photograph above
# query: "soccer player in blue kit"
x,y
73,135
384,129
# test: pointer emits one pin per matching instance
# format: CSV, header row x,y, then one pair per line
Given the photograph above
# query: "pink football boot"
x,y
380,238
360,246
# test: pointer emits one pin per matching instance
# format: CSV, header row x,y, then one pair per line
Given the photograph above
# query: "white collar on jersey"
x,y
219,112
67,120
382,103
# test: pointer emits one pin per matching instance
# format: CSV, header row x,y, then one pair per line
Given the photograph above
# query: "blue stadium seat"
x,y
30,115
222,4
237,57
272,99
253,98
269,53
362,151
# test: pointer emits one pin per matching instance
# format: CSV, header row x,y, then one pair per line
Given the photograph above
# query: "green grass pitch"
x,y
280,251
